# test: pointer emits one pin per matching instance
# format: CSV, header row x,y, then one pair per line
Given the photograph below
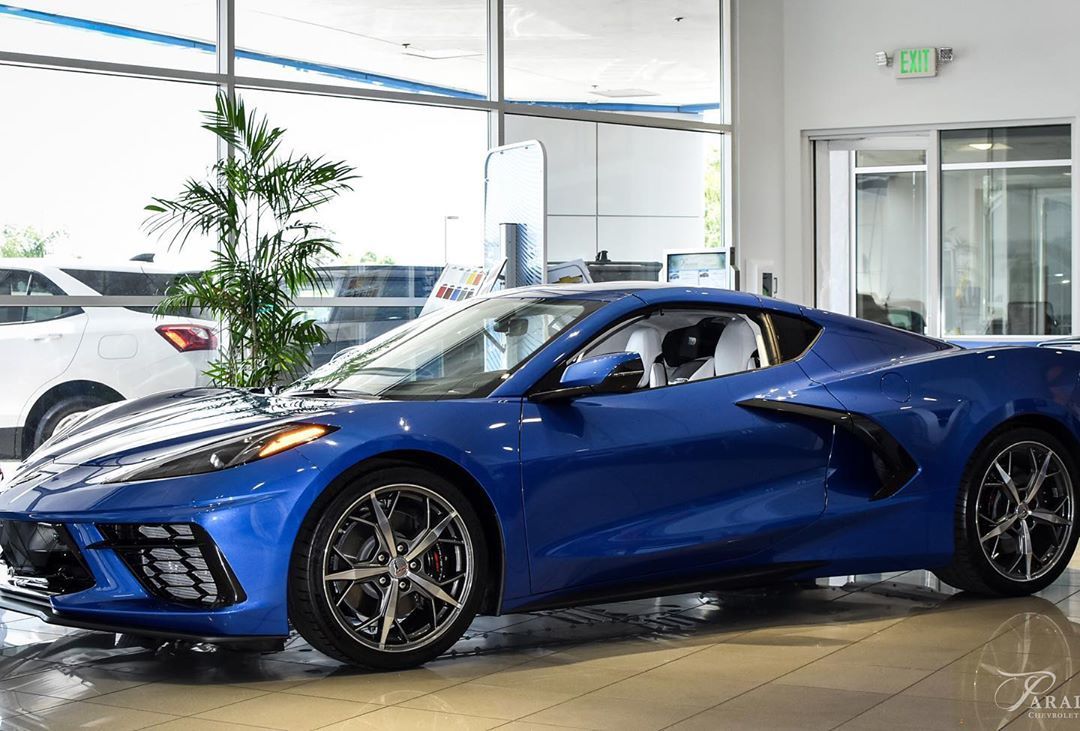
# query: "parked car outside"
x,y
397,293
60,360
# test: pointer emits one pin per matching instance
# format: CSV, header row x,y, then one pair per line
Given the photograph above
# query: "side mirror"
x,y
608,373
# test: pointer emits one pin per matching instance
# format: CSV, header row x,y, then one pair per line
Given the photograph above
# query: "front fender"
x,y
479,435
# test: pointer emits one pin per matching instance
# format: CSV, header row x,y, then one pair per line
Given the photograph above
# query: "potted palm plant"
x,y
258,205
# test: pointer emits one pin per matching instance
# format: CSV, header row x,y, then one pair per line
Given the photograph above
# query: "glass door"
x,y
872,229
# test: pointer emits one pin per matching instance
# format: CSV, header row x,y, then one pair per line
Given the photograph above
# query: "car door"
x,y
38,340
665,482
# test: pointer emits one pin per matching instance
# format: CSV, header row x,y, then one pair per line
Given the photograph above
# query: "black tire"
x,y
972,570
59,411
310,609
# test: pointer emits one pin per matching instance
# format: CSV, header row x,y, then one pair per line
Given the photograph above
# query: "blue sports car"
x,y
545,447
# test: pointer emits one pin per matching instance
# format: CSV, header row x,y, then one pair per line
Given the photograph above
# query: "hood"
x,y
165,419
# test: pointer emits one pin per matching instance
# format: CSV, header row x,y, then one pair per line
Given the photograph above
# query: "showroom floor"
x,y
892,651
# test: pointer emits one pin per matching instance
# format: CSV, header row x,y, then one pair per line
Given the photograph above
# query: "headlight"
x,y
231,451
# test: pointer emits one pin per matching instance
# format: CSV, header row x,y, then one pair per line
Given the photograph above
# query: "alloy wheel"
x,y
1024,511
398,568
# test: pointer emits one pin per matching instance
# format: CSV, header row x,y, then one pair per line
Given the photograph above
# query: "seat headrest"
x,y
693,342
736,349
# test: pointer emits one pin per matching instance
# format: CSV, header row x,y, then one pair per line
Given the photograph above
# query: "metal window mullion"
x,y
935,292
1074,199
496,77
1006,165
226,48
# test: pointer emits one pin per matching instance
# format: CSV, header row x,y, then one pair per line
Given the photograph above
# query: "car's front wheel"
x,y
390,572
1015,520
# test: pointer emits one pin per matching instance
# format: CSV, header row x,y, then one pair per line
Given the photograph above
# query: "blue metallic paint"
x,y
591,494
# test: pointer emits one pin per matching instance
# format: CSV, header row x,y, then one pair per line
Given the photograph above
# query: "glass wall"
x,y
1006,225
107,98
626,190
177,34
622,55
384,44
998,264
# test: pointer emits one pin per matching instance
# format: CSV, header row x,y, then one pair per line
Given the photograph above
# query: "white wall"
x,y
630,190
1015,61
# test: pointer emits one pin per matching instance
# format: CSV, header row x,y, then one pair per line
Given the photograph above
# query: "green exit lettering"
x,y
916,62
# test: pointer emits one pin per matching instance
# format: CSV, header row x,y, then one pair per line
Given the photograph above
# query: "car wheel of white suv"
x,y
65,407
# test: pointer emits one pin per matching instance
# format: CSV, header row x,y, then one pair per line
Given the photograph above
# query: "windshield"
x,y
464,353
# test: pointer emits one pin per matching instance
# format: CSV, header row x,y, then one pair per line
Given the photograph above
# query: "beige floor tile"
x,y
13,702
778,707
897,655
634,655
615,714
927,714
289,712
851,676
760,663
71,684
179,700
489,701
680,686
955,683
201,724
414,719
557,677
381,688
86,715
533,726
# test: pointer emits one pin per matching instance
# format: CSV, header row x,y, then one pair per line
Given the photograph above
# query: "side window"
x,y
793,335
13,282
683,345
39,288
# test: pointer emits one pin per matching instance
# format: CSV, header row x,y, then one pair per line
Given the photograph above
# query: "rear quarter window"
x,y
794,335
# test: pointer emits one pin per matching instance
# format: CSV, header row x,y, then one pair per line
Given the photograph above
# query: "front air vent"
x,y
177,562
42,556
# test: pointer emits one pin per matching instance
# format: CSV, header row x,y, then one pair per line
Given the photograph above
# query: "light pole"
x,y
445,239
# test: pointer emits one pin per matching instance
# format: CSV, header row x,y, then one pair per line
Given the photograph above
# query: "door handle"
x,y
45,336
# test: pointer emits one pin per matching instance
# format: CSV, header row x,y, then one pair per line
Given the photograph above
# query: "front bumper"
x,y
251,515
38,604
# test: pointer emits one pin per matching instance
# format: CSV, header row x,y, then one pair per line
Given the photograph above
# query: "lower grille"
x,y
42,556
178,562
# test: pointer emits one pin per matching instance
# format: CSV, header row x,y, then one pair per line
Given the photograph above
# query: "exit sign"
x,y
912,63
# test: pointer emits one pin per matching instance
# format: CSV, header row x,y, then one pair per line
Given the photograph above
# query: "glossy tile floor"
x,y
869,652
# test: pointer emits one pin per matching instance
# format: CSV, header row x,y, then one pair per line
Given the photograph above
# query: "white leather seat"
x,y
645,341
736,349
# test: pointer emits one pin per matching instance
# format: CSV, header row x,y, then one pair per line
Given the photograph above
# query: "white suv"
x,y
60,360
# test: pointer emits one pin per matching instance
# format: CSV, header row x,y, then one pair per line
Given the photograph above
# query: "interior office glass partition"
x,y
1006,231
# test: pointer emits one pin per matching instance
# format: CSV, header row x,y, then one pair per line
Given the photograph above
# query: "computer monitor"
x,y
699,267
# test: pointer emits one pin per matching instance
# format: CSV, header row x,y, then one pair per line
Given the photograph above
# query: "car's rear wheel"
x,y
57,412
1015,515
390,572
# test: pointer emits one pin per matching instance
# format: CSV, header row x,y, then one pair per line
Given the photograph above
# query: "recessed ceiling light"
x,y
984,146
